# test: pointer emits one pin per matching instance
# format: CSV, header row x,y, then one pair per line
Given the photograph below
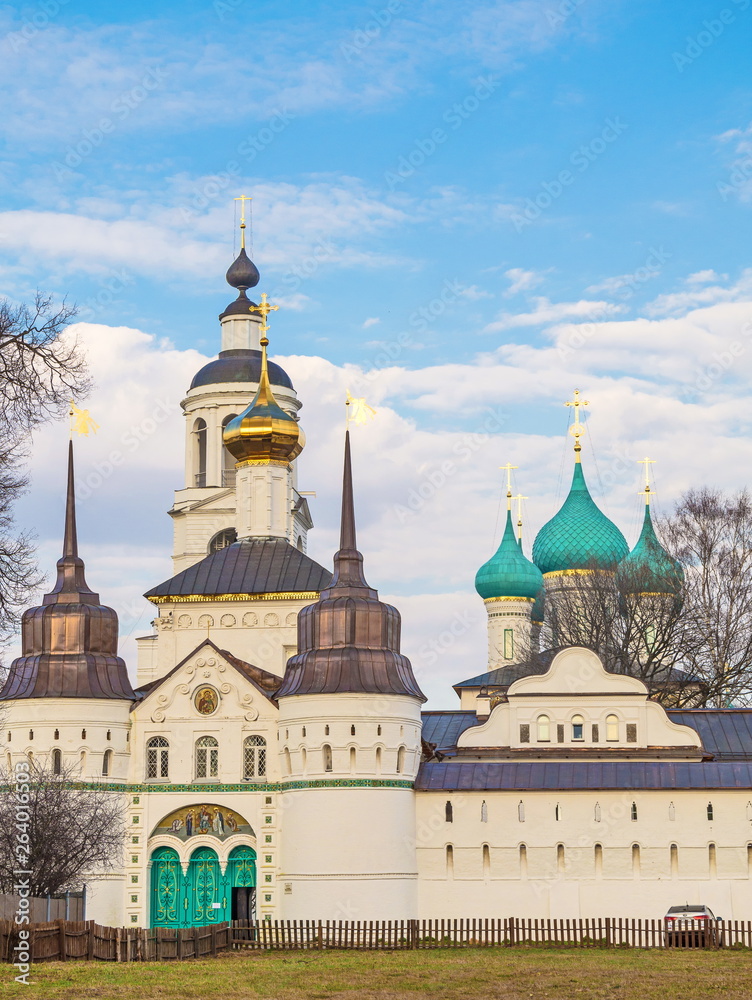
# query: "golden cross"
x,y
647,492
508,469
264,309
81,421
361,412
577,429
242,199
519,498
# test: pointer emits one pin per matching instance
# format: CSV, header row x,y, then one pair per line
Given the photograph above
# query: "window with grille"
x,y
57,761
508,644
207,757
254,757
157,757
107,763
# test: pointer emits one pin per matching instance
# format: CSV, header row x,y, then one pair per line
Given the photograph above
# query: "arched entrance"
x,y
203,895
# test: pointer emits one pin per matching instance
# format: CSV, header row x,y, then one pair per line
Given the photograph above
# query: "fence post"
x,y
319,937
608,932
61,940
91,941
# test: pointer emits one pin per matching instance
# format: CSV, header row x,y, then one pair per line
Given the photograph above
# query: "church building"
x,y
274,754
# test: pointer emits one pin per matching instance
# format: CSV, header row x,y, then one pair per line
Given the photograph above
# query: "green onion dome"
x,y
649,569
508,573
579,536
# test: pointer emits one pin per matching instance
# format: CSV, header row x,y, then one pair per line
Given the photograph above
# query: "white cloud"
x,y
706,276
371,321
545,312
521,280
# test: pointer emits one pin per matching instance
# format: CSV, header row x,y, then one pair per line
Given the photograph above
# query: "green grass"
x,y
473,974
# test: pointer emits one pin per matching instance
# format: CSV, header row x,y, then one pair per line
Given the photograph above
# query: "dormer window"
x,y
544,729
578,727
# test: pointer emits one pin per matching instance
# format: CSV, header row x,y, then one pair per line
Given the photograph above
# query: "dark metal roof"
x,y
726,733
242,365
258,566
349,640
595,775
445,728
504,676
69,643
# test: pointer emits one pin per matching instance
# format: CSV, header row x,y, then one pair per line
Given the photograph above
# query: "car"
x,y
692,926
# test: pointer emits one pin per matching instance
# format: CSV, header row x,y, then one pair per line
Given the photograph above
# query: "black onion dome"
x,y
241,365
242,273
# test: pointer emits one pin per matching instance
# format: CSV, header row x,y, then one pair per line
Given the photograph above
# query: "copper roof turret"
x,y
349,640
70,641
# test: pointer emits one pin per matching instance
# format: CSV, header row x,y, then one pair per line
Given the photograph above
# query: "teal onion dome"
x,y
649,568
579,536
508,573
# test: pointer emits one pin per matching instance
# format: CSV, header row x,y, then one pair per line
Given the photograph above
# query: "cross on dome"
x,y
508,469
577,429
647,492
264,309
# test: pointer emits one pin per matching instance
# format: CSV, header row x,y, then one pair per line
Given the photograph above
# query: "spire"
x,y
349,640
71,586
242,273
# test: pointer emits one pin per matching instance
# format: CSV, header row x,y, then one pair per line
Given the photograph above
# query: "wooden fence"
x,y
66,940
62,906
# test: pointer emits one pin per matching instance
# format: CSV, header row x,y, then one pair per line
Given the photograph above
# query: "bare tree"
x,y
711,533
40,370
74,831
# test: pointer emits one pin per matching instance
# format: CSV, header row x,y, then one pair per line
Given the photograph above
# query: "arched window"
x,y
635,860
83,734
449,861
109,734
749,859
303,759
710,812
378,760
57,734
523,861
544,729
486,861
199,453
378,731
353,760
304,732
228,460
326,753
597,812
31,734
674,853
612,728
561,862
521,811
671,811
448,812
633,812
57,761
578,727
712,861
207,757
557,812
107,763
598,851
352,730
223,538
288,761
254,757
157,758
326,730
483,812
400,760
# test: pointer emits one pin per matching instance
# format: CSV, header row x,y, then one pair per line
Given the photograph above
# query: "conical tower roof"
x,y
69,642
349,640
579,536
649,568
508,573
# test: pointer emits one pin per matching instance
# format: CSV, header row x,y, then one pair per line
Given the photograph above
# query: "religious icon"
x,y
206,701
209,820
218,823
189,823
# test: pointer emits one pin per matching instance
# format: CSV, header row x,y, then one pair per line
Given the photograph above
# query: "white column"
x,y
263,494
509,630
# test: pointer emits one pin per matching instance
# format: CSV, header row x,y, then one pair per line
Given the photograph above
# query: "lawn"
x,y
508,974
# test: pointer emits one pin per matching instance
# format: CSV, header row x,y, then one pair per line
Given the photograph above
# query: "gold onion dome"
x,y
264,432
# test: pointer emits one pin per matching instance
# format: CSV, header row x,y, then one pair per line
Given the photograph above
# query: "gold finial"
x,y
361,412
242,199
508,469
265,308
81,421
519,498
577,429
647,492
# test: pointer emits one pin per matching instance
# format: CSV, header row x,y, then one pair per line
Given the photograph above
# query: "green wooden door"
x,y
166,888
209,897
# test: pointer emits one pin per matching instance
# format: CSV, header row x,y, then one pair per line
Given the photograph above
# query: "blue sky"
x,y
471,208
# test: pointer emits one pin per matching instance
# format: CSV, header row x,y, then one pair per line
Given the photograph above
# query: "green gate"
x,y
203,895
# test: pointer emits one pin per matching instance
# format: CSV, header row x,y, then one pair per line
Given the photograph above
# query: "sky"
x,y
465,211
